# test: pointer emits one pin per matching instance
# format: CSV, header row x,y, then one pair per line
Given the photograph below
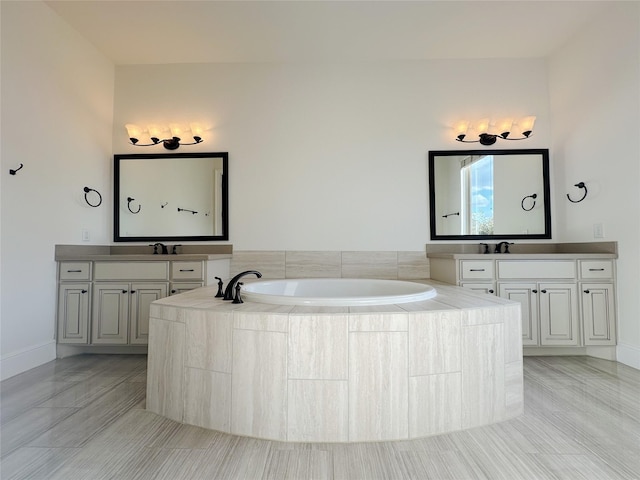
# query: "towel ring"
x,y
579,185
86,192
129,200
534,196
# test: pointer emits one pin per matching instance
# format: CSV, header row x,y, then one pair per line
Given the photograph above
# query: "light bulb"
x,y
526,125
482,126
504,126
176,130
134,131
460,128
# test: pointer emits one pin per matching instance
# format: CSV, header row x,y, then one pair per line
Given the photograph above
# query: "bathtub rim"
x,y
419,292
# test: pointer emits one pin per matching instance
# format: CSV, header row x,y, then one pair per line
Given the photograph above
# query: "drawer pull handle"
x,y
83,291
491,291
173,291
534,291
543,291
186,269
74,271
596,269
476,270
586,291
124,291
133,291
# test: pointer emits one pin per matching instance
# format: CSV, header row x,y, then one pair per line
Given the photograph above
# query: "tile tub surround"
x,y
336,374
279,264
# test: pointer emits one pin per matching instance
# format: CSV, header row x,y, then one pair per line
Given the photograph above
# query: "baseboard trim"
x,y
25,359
66,350
605,352
629,355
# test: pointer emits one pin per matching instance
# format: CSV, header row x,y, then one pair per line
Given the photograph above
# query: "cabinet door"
x,y
526,294
598,315
142,294
110,313
558,314
73,313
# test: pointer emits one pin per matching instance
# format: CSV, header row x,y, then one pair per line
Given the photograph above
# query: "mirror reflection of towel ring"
x,y
534,196
86,191
129,200
13,172
579,185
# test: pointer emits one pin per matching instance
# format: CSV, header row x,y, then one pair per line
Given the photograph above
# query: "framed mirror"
x,y
171,196
489,194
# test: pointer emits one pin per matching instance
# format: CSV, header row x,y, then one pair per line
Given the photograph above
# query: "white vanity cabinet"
x,y
478,275
597,302
74,295
122,295
106,303
551,311
121,311
186,276
567,300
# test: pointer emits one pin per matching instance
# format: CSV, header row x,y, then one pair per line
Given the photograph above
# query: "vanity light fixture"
x,y
156,132
484,127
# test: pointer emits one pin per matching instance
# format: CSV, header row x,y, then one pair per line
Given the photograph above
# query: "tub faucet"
x,y
228,293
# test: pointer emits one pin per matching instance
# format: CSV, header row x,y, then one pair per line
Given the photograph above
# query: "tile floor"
x,y
84,418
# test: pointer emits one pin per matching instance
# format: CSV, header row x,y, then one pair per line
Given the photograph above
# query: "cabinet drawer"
x,y
536,269
131,271
483,287
186,270
476,269
596,269
176,288
75,271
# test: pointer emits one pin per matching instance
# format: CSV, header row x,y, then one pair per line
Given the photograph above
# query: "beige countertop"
x,y
139,253
142,257
520,256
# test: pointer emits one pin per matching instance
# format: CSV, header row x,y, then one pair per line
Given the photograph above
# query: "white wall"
x,y
595,99
57,104
158,188
322,156
329,156
514,178
448,198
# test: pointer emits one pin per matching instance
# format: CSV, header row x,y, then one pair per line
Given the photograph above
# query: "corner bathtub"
x,y
339,292
317,373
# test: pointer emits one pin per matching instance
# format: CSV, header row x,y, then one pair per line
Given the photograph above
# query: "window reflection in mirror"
x,y
476,181
482,194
